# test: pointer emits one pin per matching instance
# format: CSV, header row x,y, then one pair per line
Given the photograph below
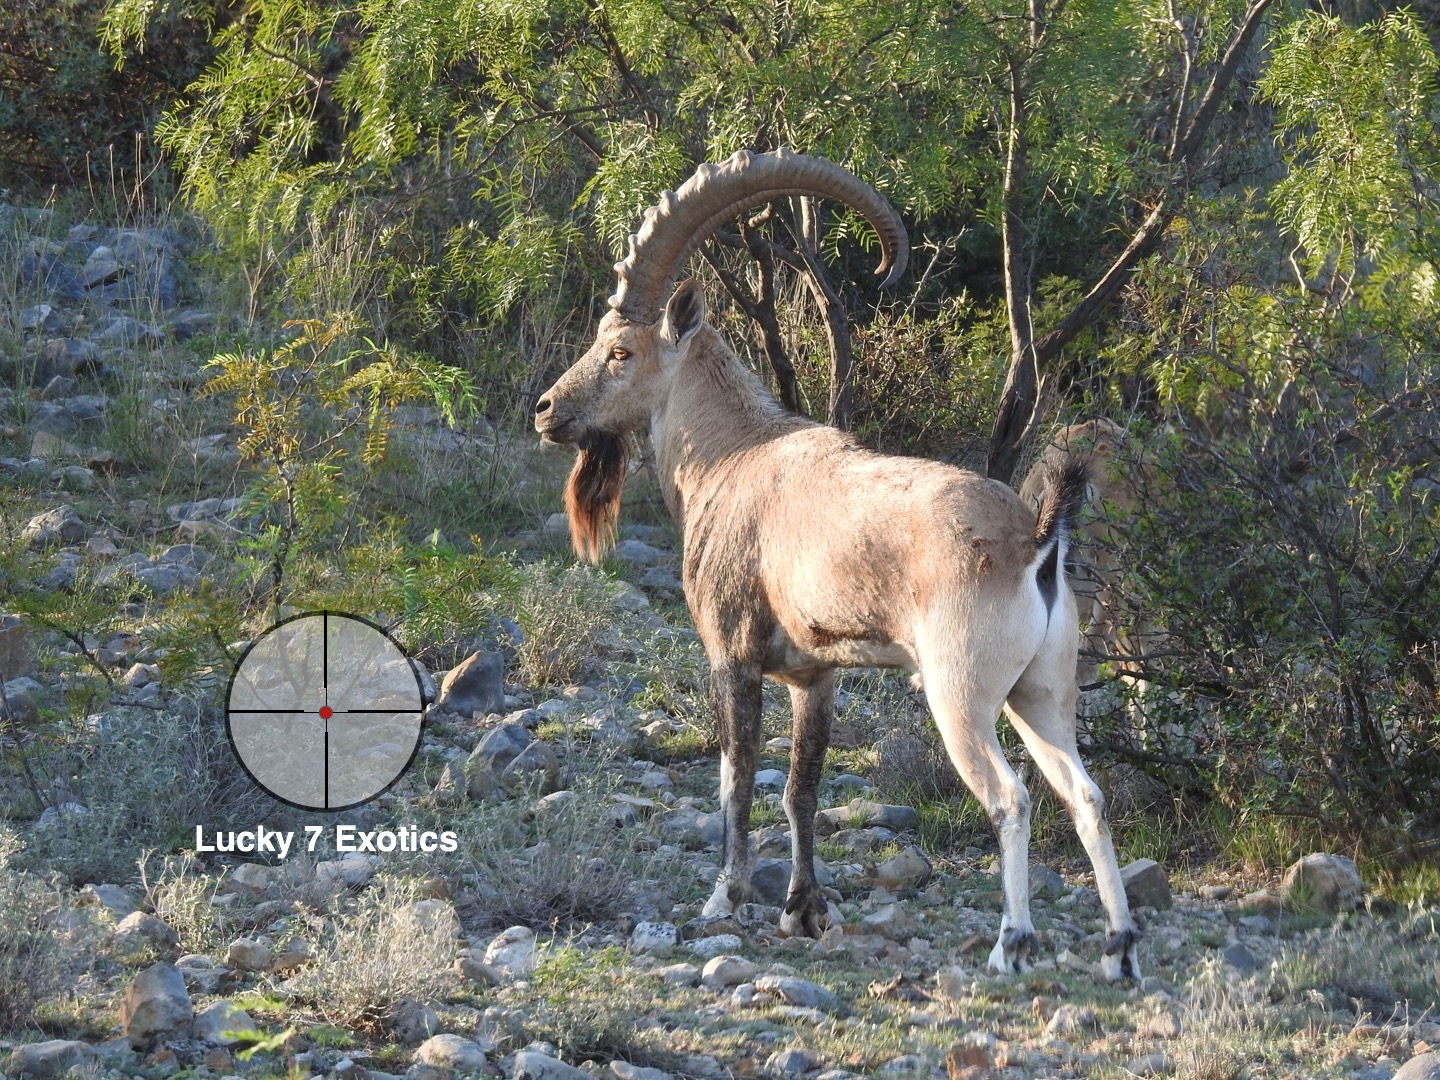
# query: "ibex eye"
x,y
620,354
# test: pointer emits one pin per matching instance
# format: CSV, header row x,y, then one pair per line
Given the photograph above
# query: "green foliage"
x,y
1359,107
308,406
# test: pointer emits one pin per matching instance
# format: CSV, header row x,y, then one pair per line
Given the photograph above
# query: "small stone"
x,y
247,954
112,898
40,319
295,954
678,974
353,871
139,932
1151,1065
535,769
654,936
1045,883
770,780
791,1062
1216,892
530,1065
715,945
722,972
59,526
1167,1025
1240,958
17,648
410,1021
796,991
865,814
475,687
501,746
1421,1067
155,1005
905,870
770,880
479,973
636,551
451,1052
223,1023
1069,1019
891,921
1329,884
51,1059
1146,884
513,952
623,1070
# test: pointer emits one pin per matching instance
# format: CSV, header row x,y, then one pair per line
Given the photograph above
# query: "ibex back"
x,y
804,552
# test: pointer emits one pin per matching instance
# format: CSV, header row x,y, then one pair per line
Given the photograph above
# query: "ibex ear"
x,y
683,314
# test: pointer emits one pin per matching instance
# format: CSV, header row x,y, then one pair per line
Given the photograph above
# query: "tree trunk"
x,y
837,331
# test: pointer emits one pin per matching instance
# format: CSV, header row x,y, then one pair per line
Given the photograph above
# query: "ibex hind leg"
x,y
966,715
735,697
813,709
1042,708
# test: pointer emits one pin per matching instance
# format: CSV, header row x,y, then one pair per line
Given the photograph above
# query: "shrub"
x,y
31,957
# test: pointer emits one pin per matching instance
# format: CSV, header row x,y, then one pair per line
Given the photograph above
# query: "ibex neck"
x,y
715,410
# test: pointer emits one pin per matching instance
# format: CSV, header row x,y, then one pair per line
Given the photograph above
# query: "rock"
x,y
770,780
187,324
715,945
1166,1025
101,268
1146,884
770,880
629,599
1216,892
636,551
1069,1019
864,814
791,1062
623,1070
891,921
156,1004
557,526
501,746
535,769
1421,1067
123,330
722,972
223,1023
247,954
53,1058
59,526
1240,958
18,704
1151,1065
295,954
17,649
1329,884
530,1065
678,974
410,1021
905,870
512,952
138,932
475,687
451,1052
796,991
654,936
352,871
432,918
67,357
49,446
478,972
1045,883
40,319
112,898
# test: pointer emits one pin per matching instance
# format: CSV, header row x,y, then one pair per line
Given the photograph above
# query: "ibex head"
x,y
618,385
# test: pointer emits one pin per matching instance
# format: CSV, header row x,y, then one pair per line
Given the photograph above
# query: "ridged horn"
x,y
682,220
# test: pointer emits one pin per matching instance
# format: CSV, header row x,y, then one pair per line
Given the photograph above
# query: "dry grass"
x,y
564,614
32,958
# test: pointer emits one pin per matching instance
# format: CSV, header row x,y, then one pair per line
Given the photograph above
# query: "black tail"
x,y
1065,490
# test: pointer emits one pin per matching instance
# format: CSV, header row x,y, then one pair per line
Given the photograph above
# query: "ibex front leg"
x,y
735,697
814,709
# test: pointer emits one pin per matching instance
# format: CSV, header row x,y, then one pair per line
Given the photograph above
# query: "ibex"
x,y
804,552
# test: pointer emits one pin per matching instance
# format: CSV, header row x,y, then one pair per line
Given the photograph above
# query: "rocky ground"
x,y
562,938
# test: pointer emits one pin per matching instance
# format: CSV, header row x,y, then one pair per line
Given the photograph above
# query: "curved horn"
x,y
682,220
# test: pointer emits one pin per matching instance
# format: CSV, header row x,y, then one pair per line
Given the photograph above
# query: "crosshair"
x,y
325,711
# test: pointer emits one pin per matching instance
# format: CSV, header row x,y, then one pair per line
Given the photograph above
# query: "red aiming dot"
x,y
325,712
